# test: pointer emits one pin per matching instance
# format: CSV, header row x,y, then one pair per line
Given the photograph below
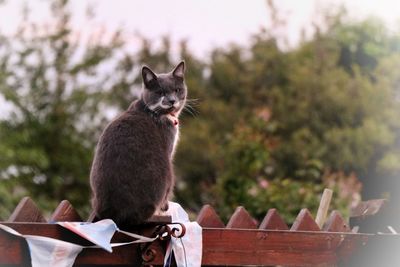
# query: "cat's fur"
x,y
132,174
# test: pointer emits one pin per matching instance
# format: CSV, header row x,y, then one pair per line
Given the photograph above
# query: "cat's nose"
x,y
171,101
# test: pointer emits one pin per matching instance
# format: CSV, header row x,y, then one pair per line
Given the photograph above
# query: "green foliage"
x,y
320,117
250,175
56,92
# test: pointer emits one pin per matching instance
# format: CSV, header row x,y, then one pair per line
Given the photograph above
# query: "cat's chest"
x,y
176,139
170,132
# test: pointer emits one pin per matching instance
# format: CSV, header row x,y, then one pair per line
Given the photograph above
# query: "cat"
x,y
132,174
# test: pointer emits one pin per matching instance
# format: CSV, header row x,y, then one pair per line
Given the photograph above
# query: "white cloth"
x,y
188,249
99,233
46,251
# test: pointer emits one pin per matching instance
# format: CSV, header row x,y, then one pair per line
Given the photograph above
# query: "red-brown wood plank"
x,y
65,212
237,247
26,211
304,222
241,219
273,221
269,258
209,218
10,249
350,245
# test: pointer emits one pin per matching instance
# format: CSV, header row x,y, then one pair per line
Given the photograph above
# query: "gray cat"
x,y
132,174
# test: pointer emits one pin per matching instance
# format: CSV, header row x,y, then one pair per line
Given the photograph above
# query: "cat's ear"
x,y
179,70
148,75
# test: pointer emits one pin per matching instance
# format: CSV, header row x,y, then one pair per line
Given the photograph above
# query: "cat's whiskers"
x,y
193,101
191,110
190,106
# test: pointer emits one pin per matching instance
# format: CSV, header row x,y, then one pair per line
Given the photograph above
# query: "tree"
x,y
57,86
317,122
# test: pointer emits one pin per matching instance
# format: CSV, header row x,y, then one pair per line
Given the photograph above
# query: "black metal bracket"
x,y
163,232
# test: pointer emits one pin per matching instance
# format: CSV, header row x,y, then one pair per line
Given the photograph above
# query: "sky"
x,y
205,24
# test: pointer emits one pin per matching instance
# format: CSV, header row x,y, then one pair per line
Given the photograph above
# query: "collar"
x,y
151,112
173,119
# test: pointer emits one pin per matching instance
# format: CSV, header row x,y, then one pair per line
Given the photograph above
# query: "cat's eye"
x,y
178,90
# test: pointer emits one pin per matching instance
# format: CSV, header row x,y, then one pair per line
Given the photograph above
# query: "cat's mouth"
x,y
171,109
163,108
167,110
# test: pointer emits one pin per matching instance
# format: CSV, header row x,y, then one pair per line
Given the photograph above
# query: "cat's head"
x,y
164,93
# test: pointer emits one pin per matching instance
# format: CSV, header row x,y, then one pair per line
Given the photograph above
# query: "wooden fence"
x,y
242,241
